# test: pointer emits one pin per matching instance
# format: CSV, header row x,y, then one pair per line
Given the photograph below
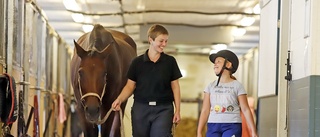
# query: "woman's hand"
x,y
116,105
176,118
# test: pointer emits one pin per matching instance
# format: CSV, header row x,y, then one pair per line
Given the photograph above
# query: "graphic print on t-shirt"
x,y
224,99
224,102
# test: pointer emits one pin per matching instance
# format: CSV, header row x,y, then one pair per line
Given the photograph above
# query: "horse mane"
x,y
93,48
99,39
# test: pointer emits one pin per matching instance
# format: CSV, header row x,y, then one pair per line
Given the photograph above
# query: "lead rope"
x,y
106,117
173,129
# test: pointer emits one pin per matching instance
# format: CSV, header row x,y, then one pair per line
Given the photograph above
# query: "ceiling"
x,y
194,25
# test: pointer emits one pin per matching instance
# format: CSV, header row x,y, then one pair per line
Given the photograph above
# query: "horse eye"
x,y
80,74
83,102
106,76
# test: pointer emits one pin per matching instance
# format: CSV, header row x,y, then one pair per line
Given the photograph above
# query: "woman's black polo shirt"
x,y
153,80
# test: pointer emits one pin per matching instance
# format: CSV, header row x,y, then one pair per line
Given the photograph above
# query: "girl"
x,y
223,100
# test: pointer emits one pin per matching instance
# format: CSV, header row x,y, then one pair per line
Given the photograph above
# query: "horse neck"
x,y
115,69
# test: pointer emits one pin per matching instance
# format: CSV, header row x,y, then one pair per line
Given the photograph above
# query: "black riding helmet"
x,y
228,56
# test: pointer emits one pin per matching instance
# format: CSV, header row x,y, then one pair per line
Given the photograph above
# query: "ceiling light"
x,y
71,5
247,21
205,50
96,17
256,9
141,5
213,51
238,32
77,17
87,28
248,10
220,46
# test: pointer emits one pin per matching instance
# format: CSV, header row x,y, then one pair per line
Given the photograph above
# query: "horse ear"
x,y
80,51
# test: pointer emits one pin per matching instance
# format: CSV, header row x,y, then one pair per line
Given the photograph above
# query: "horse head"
x,y
92,76
98,73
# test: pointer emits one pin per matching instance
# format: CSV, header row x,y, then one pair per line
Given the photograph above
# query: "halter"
x,y
91,93
101,121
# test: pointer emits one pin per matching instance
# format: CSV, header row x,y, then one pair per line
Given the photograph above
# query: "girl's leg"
x,y
232,130
214,130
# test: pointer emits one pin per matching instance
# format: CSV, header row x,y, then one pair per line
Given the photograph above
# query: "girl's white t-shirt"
x,y
224,102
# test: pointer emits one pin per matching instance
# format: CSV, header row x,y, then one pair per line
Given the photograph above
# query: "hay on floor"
x,y
187,128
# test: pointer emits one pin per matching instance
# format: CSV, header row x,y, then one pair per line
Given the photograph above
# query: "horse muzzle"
x,y
92,108
92,113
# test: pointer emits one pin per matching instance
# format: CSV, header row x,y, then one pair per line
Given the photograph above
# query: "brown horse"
x,y
98,73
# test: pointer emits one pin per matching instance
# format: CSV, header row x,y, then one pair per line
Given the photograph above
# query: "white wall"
x,y
268,48
315,34
299,46
304,38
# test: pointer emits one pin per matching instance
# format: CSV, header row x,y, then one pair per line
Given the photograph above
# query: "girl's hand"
x,y
254,134
199,134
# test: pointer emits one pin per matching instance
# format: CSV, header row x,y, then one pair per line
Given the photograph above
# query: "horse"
x,y
98,73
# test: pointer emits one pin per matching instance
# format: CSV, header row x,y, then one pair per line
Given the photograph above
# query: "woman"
x,y
153,80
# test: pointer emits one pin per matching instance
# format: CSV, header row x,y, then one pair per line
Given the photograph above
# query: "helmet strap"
x,y
221,71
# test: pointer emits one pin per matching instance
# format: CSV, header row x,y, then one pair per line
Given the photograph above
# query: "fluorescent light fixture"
x,y
220,46
239,32
247,21
141,5
87,28
71,5
205,50
217,48
213,51
77,17
256,9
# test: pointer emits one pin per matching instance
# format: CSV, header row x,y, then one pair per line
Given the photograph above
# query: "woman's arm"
x,y
177,100
126,92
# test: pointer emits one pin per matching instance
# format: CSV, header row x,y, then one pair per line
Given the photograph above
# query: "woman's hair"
x,y
156,30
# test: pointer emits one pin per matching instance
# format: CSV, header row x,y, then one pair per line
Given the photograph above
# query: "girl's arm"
x,y
247,114
205,111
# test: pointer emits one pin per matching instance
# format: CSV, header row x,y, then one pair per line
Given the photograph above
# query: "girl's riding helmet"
x,y
228,55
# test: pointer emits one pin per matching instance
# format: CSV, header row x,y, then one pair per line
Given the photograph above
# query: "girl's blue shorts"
x,y
224,130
